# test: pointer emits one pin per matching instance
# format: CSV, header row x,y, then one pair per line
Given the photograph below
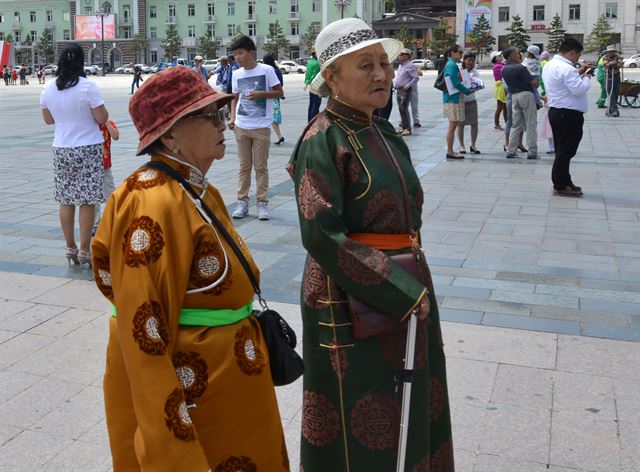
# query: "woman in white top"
x,y
75,106
471,80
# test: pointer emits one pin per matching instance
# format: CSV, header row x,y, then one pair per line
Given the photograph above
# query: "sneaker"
x,y
263,212
567,192
241,210
576,188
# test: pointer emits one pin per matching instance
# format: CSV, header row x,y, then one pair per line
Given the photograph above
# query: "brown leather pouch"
x,y
367,321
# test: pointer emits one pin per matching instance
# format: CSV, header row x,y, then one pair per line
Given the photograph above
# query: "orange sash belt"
x,y
383,241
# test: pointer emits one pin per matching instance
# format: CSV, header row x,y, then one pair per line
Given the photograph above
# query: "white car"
x,y
120,70
291,66
210,64
633,61
92,69
51,69
424,64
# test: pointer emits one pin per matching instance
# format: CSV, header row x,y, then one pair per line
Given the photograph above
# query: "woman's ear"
x,y
168,140
330,79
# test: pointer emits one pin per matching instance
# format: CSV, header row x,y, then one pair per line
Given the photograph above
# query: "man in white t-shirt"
x,y
254,87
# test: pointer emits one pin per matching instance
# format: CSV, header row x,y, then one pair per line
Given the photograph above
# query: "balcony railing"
x,y
17,25
49,24
250,17
294,15
210,18
189,42
294,39
124,21
170,20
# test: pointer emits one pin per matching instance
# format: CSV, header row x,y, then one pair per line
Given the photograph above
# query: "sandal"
x,y
84,257
522,149
474,150
71,253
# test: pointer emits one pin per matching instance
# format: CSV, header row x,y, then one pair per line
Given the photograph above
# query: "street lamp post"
x,y
341,4
101,15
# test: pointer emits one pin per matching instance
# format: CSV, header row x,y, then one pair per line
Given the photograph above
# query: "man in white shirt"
x,y
254,87
567,89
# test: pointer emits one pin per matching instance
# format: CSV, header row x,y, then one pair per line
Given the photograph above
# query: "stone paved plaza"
x,y
540,294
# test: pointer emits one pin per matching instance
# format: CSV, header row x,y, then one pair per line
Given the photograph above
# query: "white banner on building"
x,y
473,11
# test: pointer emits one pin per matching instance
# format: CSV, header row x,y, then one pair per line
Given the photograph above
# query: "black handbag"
x,y
440,83
285,363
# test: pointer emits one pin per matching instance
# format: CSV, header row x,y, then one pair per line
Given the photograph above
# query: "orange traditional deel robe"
x,y
180,398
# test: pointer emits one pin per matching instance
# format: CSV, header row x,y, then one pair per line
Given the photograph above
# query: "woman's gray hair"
x,y
325,90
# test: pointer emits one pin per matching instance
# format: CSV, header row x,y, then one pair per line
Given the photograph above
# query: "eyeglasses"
x,y
216,117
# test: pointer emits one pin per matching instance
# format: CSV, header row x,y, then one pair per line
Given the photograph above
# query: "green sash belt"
x,y
209,316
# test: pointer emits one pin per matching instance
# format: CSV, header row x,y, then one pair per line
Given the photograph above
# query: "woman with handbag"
x,y
360,203
187,384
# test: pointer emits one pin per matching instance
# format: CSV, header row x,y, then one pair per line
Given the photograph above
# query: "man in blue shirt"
x,y
204,73
221,73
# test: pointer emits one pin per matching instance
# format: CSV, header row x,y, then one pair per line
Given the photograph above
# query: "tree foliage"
x,y
481,38
239,34
171,42
46,51
441,39
23,52
8,38
209,47
518,36
555,33
139,44
389,6
276,40
404,36
309,38
601,35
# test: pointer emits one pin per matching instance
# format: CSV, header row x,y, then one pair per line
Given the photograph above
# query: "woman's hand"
x,y
424,307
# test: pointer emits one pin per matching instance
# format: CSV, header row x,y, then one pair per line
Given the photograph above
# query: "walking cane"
x,y
406,377
609,91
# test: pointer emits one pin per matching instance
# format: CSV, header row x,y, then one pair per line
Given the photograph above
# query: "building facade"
x,y
193,19
578,18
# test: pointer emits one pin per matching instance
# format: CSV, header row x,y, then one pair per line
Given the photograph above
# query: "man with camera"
x,y
567,88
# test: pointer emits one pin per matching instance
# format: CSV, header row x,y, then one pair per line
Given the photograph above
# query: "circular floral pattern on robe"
x,y
363,264
191,370
339,361
236,464
440,460
320,123
207,267
385,213
314,285
145,178
394,345
291,170
375,421
249,357
102,276
313,192
320,422
143,242
150,329
177,416
438,398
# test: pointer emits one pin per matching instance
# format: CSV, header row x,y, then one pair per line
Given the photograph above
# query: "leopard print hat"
x,y
344,37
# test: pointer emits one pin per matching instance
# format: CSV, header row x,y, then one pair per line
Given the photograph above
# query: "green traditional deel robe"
x,y
345,183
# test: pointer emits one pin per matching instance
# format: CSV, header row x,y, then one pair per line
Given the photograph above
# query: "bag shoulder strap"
x,y
201,206
403,183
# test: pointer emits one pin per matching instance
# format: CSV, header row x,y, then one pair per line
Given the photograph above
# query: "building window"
x,y
153,11
211,30
295,28
294,7
231,30
32,16
1,36
172,10
503,14
106,7
154,56
315,27
191,31
153,32
251,10
211,9
127,33
315,5
273,7
49,15
611,11
87,9
231,8
66,16
252,29
66,35
126,13
191,10
34,36
16,17
18,37
574,11
538,13
2,19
